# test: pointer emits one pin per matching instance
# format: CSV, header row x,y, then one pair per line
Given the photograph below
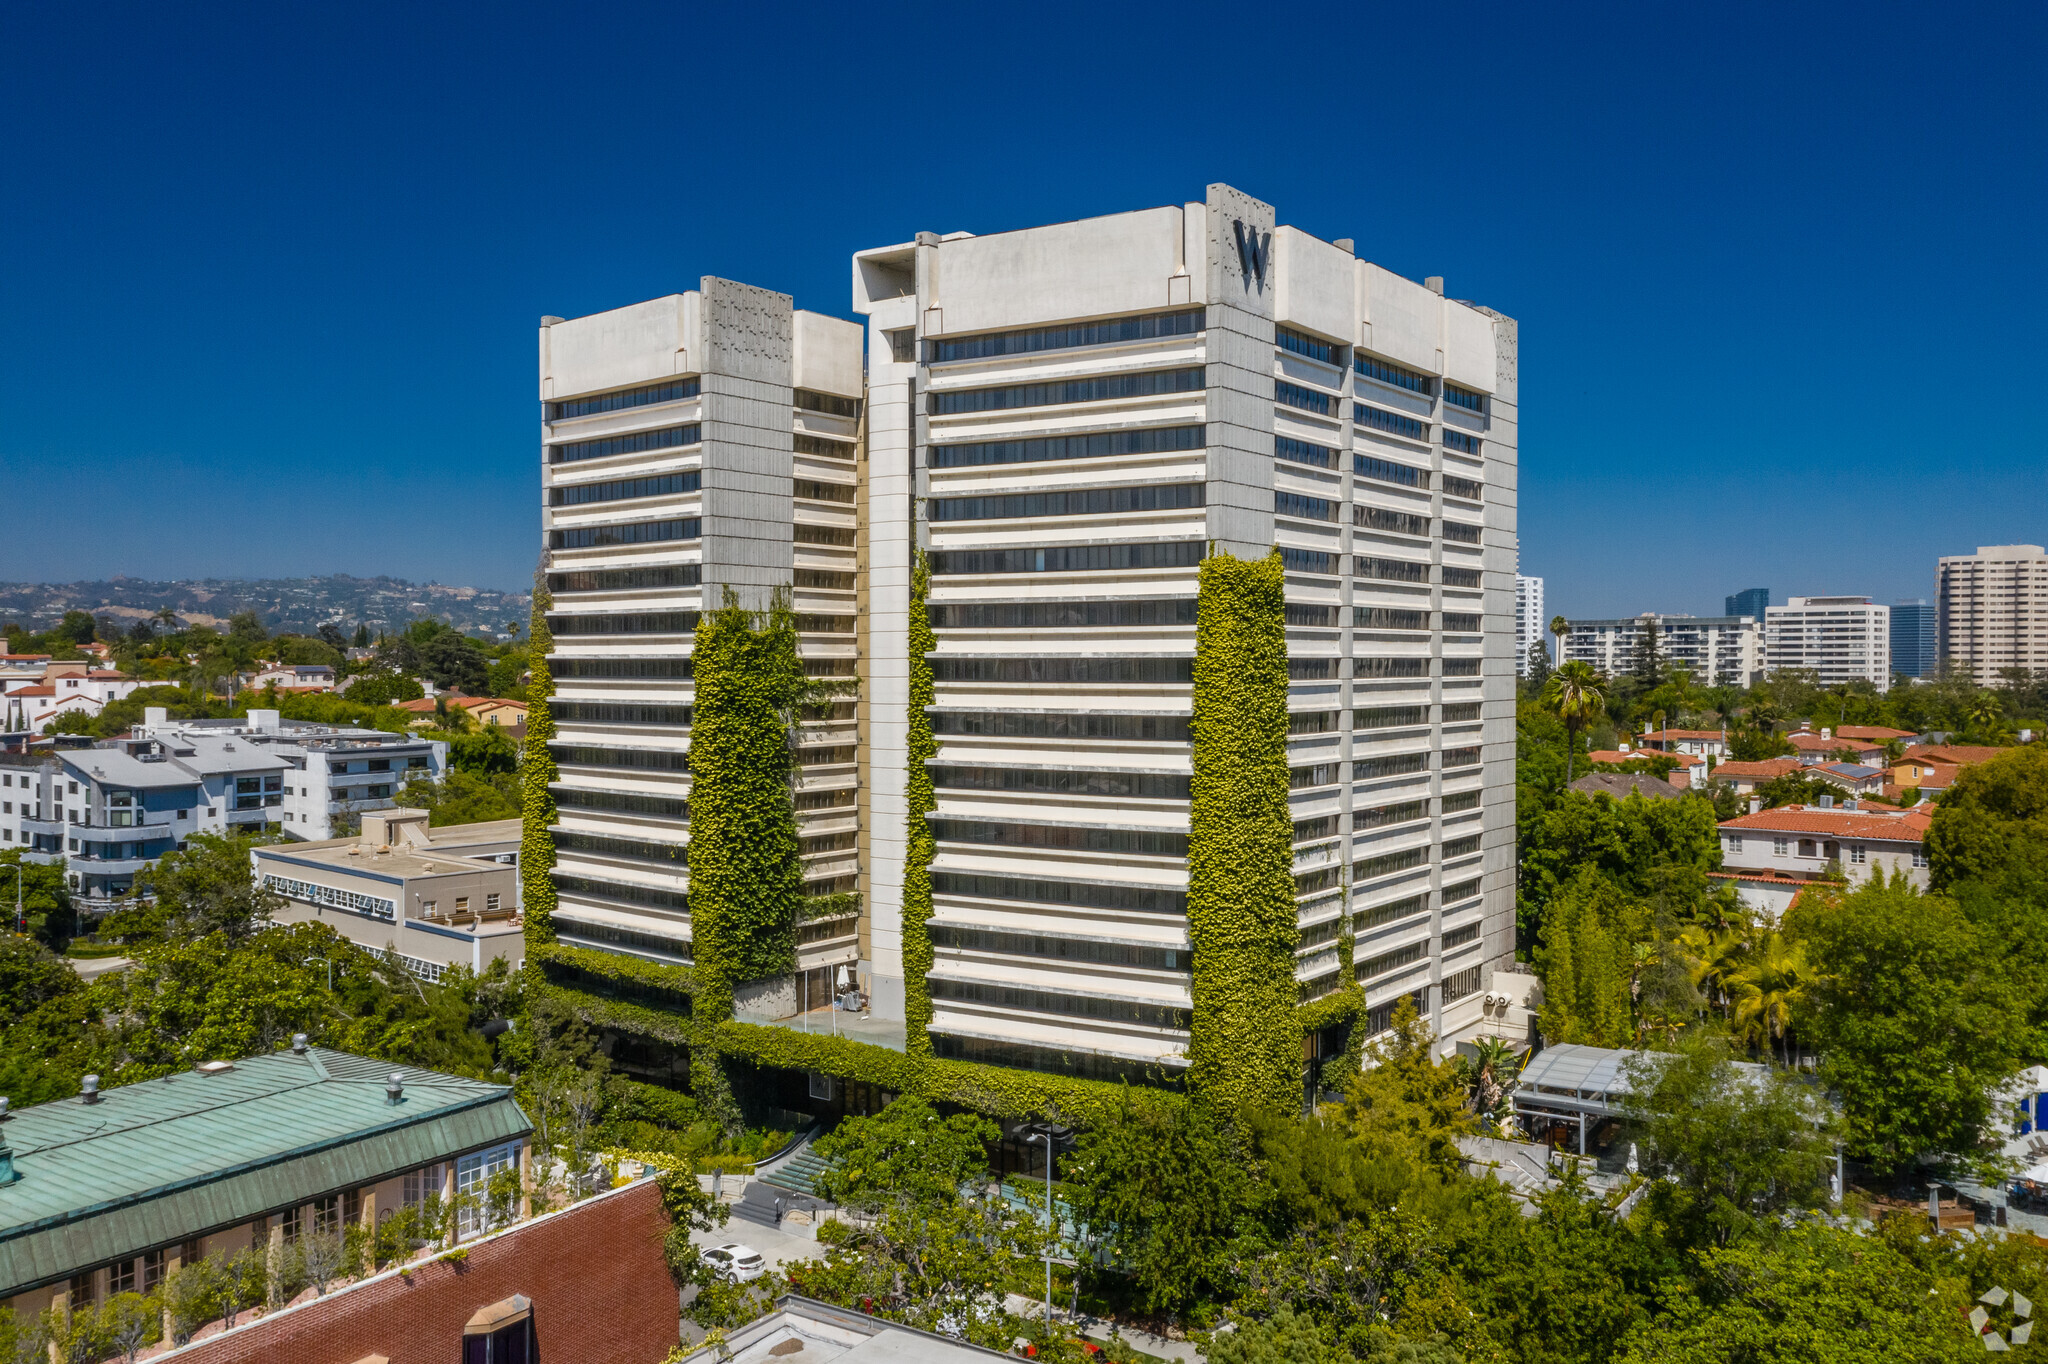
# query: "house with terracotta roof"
x,y
1745,777
1771,855
1956,755
1876,734
485,710
1689,774
1706,743
72,677
1854,778
293,677
1825,747
1922,774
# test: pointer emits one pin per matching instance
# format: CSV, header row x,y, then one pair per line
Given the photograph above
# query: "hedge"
x,y
615,969
662,1024
919,801
537,777
1244,1047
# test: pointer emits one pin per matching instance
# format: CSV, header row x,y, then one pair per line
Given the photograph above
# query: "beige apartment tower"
x,y
1993,609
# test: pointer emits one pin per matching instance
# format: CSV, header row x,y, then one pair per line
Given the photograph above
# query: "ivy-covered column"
x,y
537,777
919,802
746,879
1245,1051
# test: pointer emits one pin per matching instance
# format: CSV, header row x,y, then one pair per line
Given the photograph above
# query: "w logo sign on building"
x,y
1253,249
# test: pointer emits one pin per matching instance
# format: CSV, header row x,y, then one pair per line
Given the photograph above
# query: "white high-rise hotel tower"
x,y
1066,419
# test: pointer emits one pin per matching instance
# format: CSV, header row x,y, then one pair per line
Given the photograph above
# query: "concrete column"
x,y
367,1218
448,1200
172,1264
274,1260
60,1304
525,1181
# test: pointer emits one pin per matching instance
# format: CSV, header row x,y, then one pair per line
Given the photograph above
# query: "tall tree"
x,y
1646,661
1539,665
1576,693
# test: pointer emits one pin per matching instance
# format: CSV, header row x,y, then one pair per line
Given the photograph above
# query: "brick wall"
x,y
600,1289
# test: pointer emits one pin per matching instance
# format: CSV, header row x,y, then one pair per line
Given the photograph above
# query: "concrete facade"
x,y
694,447
1717,650
1993,608
1838,639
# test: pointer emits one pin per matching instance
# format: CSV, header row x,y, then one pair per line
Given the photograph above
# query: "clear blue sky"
x,y
272,273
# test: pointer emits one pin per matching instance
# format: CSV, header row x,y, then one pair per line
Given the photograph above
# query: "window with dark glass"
x,y
1149,441
1463,534
1137,785
1461,620
823,446
1388,717
1062,615
1392,570
1101,388
1389,765
819,491
1076,725
1304,452
640,441
619,890
1461,577
1463,800
1308,561
1467,488
830,404
1062,949
1396,522
1390,667
623,579
1462,847
623,489
1379,916
620,669
1462,890
1380,816
1311,669
1465,398
1461,757
1033,339
620,713
1393,423
1399,377
626,623
1072,502
1387,962
1064,671
1461,667
1314,774
1307,399
1463,441
1388,618
671,391
1301,343
1305,507
646,759
631,533
1300,614
1085,894
1070,558
1386,471
1463,711
1144,843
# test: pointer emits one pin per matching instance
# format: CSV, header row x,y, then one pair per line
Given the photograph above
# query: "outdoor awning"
x,y
505,1312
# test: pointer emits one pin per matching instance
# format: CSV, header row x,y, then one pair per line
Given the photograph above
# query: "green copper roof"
x,y
155,1163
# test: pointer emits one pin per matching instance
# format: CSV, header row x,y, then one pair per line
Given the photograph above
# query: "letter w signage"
x,y
1254,248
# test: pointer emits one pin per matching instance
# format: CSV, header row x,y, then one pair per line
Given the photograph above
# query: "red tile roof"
x,y
1910,827
1876,733
1766,770
44,690
1683,734
1962,755
1813,743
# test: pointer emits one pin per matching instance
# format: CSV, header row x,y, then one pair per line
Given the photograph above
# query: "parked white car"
x,y
736,1263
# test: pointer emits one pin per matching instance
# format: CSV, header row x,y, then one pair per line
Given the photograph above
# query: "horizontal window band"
x,y
617,890
1078,1062
1081,894
1073,502
1308,561
1065,671
1031,340
1064,1005
1060,615
620,669
629,533
1095,445
1079,950
670,391
626,623
1397,375
1050,781
1163,843
1381,518
645,759
624,489
1307,399
1101,388
619,802
609,846
619,713
1079,725
1304,452
1393,423
639,442
831,404
1069,558
1301,343
627,579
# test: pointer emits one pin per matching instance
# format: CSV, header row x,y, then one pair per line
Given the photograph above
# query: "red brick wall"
x,y
600,1289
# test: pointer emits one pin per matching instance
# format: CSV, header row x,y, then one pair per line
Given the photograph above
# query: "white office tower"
x,y
1068,418
690,444
1994,610
1839,639
1715,651
1531,628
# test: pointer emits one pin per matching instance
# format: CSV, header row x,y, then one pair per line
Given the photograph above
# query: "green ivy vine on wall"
x,y
919,802
537,777
1244,1048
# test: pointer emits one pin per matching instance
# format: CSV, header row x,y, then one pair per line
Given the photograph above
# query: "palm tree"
x,y
1492,1068
1713,959
1766,989
1985,714
1576,692
1560,627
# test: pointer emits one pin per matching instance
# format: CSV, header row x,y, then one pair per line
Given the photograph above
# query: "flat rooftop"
x,y
450,849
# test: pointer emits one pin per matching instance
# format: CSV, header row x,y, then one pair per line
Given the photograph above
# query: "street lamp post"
x,y
1052,1134
329,964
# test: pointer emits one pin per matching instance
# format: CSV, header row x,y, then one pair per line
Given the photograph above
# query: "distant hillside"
x,y
286,604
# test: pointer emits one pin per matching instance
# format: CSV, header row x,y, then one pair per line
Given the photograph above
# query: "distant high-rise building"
x,y
1839,639
1913,638
1529,622
1749,602
1994,609
1718,651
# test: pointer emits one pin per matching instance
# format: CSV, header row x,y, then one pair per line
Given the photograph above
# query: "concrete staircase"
x,y
789,1182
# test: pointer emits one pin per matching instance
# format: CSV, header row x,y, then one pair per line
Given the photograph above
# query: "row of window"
x,y
1388,962
1031,340
1052,782
626,623
1077,502
1379,916
825,446
1081,894
624,489
674,390
1148,441
1394,522
612,935
1073,671
1141,842
1039,725
622,890
1307,399
1467,488
829,403
1076,950
622,847
822,535
620,669
645,759
627,579
620,713
1061,615
1393,423
639,442
1069,558
620,802
818,491
1098,388
629,533
1286,338
1081,1065
328,897
1305,507
1462,441
1304,452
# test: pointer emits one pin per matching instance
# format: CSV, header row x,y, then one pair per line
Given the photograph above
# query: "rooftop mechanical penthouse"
x,y
1064,421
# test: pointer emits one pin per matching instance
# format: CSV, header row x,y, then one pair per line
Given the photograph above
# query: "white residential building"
x,y
1993,609
1068,417
1719,651
1771,855
1840,639
1532,627
693,444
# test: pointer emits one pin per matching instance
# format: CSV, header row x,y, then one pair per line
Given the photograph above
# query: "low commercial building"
x,y
1772,855
434,898
114,1190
